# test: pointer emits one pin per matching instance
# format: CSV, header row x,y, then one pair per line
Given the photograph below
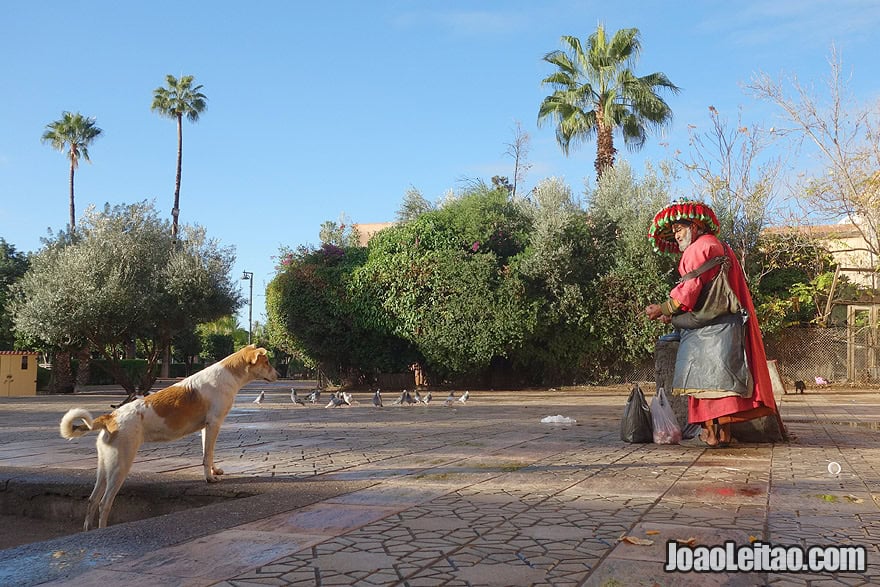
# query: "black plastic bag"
x,y
635,426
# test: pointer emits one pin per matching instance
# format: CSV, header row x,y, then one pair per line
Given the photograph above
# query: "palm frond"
x,y
596,78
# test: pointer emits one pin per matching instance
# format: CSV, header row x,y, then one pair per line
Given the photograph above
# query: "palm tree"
x,y
73,133
177,99
597,92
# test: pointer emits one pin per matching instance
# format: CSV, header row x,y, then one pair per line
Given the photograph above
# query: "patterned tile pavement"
x,y
481,493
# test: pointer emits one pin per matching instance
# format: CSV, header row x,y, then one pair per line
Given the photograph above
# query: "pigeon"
x,y
315,396
345,397
408,397
377,399
418,397
821,380
260,397
427,399
334,402
464,397
449,399
295,398
404,397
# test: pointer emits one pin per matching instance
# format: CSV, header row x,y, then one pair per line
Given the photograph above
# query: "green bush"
x,y
99,375
180,369
44,376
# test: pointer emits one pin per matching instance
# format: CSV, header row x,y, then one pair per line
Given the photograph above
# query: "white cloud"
x,y
801,22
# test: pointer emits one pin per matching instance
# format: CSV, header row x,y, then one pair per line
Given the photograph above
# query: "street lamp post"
x,y
249,276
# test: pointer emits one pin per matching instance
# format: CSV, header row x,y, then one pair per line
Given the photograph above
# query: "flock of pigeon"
x,y
343,398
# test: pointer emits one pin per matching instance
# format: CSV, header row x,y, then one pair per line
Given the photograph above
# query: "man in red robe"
x,y
722,365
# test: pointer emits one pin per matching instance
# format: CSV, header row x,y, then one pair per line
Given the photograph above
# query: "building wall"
x,y
366,231
18,373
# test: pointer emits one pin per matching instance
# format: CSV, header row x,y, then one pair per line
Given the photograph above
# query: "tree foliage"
x,y
124,279
596,93
414,204
177,99
443,282
482,281
341,233
73,133
13,265
312,313
636,276
844,136
732,171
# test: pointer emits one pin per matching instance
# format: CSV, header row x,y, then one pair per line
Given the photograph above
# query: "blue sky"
x,y
317,109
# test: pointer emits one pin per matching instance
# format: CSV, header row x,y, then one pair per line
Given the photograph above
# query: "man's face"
x,y
684,235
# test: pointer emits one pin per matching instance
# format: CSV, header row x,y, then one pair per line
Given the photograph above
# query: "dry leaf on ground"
x,y
638,541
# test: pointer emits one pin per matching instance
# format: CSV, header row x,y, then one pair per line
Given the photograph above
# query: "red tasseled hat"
x,y
660,232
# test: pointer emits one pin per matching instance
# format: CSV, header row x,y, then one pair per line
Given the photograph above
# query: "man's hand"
x,y
653,312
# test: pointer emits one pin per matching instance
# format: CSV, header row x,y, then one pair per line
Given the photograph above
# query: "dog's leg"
x,y
119,458
100,484
209,438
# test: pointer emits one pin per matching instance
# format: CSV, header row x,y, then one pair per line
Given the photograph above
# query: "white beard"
x,y
685,241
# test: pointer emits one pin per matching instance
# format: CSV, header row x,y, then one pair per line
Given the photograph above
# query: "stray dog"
x,y
199,402
799,386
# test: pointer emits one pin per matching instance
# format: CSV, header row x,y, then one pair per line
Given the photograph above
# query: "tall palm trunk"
x,y
175,212
62,374
72,206
605,150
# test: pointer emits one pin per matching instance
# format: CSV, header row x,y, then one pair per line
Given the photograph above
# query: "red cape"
x,y
700,410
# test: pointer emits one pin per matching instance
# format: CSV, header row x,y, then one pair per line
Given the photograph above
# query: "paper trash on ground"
x,y
560,419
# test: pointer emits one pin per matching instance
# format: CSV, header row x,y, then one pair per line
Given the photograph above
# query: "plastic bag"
x,y
666,428
635,426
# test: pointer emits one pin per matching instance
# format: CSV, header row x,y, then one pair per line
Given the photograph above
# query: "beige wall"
x,y
18,373
367,230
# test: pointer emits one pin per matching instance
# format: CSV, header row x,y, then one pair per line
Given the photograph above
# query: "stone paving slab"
x,y
477,494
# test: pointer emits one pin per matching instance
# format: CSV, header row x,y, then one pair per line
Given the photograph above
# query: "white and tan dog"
x,y
199,402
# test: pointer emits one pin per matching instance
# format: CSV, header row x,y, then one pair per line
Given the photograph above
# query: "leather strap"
x,y
713,262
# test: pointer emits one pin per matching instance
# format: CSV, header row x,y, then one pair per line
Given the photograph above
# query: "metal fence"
x,y
807,353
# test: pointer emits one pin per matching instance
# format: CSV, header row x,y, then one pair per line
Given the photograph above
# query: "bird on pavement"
x,y
418,397
427,399
345,397
260,397
464,397
295,398
403,398
377,399
449,399
335,401
315,396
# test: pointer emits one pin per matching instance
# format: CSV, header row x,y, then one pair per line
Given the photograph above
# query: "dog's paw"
x,y
216,470
212,479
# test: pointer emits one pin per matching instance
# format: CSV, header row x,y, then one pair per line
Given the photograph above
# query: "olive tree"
x,y
126,278
636,276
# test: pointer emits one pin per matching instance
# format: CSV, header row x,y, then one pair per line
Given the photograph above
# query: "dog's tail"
x,y
77,422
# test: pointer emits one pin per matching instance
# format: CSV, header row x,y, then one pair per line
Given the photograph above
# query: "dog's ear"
x,y
255,356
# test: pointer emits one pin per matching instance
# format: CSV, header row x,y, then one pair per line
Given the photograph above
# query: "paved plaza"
x,y
481,493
